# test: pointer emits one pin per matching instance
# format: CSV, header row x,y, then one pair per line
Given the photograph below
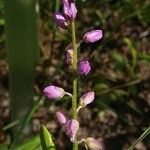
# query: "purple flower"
x,y
87,98
70,11
61,118
60,20
54,92
94,144
69,54
93,36
71,128
84,68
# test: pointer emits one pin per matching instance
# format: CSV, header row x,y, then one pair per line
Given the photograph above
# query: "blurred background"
x,y
120,73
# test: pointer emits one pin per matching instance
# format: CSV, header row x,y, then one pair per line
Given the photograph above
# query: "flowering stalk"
x,y
71,125
75,78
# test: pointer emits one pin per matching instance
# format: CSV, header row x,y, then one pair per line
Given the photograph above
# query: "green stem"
x,y
75,78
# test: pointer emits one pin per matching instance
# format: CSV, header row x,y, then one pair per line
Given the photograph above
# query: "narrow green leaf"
x,y
30,144
3,147
22,53
146,133
46,139
10,125
145,57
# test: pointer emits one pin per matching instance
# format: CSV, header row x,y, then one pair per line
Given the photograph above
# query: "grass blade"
x,y
147,132
22,52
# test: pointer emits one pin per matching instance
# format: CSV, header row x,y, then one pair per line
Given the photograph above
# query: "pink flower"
x,y
84,67
60,20
61,118
70,11
93,36
54,92
71,128
94,144
87,98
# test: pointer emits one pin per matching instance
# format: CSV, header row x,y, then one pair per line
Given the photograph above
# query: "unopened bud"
x,y
93,36
54,92
61,118
71,128
60,20
70,11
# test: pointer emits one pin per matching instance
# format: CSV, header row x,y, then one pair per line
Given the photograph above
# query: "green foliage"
x,y
46,139
144,134
3,147
22,50
31,144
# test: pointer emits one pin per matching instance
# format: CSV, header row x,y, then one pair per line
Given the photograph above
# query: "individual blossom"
x,y
54,92
70,11
69,54
60,20
61,118
87,98
84,67
71,128
93,36
93,144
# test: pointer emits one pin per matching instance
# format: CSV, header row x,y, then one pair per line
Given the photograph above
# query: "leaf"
x,y
46,139
145,133
3,147
22,54
10,125
145,57
32,144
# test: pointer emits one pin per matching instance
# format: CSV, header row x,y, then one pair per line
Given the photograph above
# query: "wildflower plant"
x,y
64,20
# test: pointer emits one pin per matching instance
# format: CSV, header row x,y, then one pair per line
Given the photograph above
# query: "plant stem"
x,y
75,78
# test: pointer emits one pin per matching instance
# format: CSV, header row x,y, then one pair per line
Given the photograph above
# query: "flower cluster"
x,y
71,125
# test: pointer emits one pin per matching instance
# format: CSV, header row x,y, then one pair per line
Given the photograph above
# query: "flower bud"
x,y
94,144
71,128
69,54
93,36
84,68
70,11
87,98
60,20
54,92
61,118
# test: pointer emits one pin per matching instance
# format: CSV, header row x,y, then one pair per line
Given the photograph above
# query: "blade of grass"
x,y
22,52
28,117
146,133
10,125
31,144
